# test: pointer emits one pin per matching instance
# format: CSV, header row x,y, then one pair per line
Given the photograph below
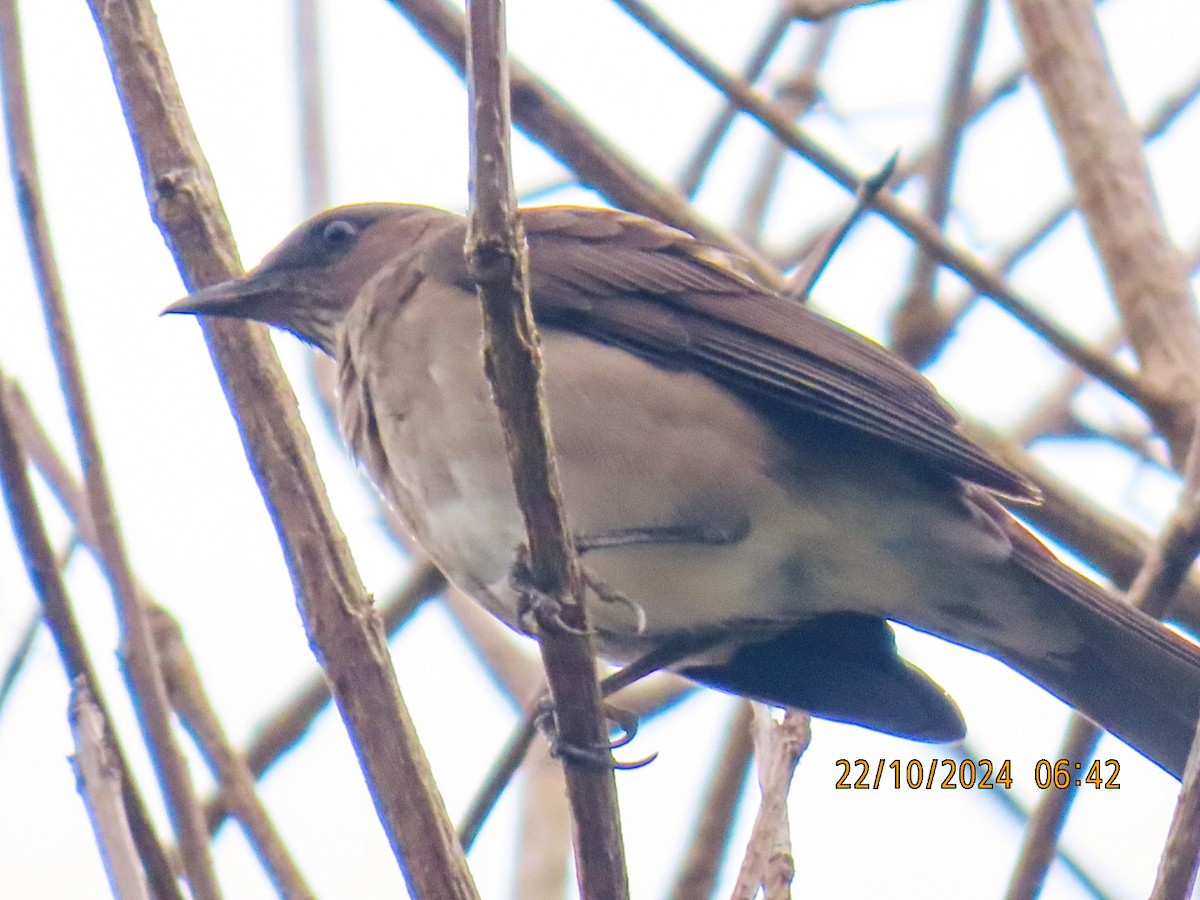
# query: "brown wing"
x,y
662,294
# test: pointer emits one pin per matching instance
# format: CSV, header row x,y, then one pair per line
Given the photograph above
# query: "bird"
x,y
752,477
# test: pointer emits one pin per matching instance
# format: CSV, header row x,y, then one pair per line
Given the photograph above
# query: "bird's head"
x,y
308,283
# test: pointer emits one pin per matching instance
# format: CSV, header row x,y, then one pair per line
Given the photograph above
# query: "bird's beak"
x,y
241,298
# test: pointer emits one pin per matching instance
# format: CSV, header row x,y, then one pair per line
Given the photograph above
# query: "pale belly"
x,y
647,450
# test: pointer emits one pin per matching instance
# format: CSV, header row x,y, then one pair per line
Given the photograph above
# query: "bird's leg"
x,y
535,604
711,534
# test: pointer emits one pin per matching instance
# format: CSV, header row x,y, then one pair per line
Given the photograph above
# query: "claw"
x,y
609,594
596,755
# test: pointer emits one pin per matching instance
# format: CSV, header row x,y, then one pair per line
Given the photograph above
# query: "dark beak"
x,y
241,298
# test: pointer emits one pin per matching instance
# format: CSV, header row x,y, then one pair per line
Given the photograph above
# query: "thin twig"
x,y
804,279
1181,853
283,729
18,657
139,662
181,678
343,628
496,258
769,862
1154,127
797,94
98,774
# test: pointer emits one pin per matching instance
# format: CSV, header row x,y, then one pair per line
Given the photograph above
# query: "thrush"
x,y
749,474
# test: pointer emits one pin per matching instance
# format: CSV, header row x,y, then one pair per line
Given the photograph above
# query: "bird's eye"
x,y
338,232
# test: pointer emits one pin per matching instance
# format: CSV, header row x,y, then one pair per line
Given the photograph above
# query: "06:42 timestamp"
x,y
978,774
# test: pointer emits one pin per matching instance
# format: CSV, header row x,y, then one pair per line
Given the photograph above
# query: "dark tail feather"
x,y
1134,676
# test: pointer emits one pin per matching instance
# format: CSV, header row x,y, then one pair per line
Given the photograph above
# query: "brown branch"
x,y
1153,128
1039,848
98,775
280,731
496,258
43,570
343,628
910,223
698,875
1106,159
139,662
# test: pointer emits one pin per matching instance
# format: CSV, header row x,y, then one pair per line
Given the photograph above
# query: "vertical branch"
x,y
496,258
139,658
342,626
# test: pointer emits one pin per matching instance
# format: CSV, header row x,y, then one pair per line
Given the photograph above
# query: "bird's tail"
x,y
1126,672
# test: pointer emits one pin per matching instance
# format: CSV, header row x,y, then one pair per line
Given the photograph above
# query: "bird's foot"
x,y
622,721
536,608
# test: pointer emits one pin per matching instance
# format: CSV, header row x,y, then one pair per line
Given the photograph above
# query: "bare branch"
x,y
98,774
496,258
343,628
769,862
